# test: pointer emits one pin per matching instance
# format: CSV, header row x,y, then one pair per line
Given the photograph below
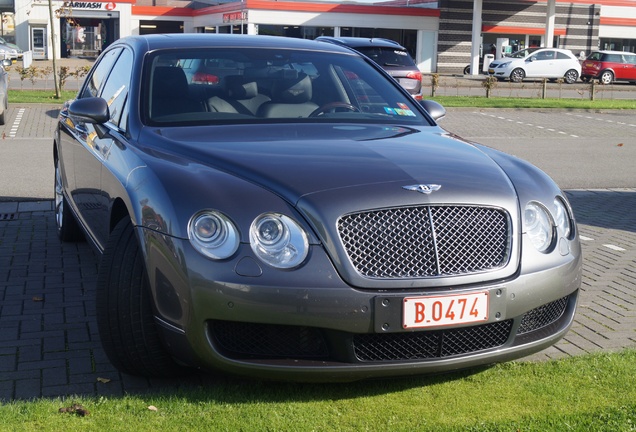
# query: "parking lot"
x,y
48,337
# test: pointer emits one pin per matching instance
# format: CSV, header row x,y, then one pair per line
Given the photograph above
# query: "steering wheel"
x,y
333,106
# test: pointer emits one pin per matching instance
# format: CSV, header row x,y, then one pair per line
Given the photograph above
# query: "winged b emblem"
x,y
423,188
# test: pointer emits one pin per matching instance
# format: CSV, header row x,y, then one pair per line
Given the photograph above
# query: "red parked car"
x,y
609,66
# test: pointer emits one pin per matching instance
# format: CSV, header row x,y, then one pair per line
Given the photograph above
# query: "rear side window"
x,y
630,59
613,58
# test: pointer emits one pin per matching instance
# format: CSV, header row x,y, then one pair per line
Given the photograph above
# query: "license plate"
x,y
433,311
491,71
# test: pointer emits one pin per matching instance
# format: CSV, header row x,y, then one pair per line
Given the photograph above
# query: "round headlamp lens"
x,y
562,218
538,226
213,234
278,240
209,228
270,230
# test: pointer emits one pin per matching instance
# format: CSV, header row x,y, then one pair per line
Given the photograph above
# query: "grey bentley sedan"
x,y
282,208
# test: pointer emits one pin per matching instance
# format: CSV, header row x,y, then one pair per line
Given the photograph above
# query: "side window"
x,y
99,74
545,55
563,56
116,88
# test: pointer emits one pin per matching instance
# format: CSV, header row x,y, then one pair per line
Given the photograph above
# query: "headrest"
x,y
239,88
292,91
170,81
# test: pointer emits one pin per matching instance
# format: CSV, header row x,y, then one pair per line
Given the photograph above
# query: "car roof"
x,y
202,40
554,49
357,42
613,52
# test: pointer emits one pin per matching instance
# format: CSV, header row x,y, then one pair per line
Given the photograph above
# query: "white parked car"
x,y
7,52
552,63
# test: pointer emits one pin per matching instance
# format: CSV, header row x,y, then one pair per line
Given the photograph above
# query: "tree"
x,y
66,11
56,80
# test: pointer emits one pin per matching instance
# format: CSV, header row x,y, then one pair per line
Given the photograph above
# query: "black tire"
x,y
467,70
517,75
125,318
571,76
68,230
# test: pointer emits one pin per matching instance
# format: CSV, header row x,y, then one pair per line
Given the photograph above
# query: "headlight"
x,y
213,234
538,226
562,218
278,240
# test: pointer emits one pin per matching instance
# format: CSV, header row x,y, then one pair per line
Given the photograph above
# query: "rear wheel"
x,y
517,75
607,77
68,229
125,318
571,76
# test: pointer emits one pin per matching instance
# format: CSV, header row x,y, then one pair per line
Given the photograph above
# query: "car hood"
x,y
298,162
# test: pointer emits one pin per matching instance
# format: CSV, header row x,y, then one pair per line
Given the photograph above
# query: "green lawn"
x,y
39,96
500,102
48,96
588,393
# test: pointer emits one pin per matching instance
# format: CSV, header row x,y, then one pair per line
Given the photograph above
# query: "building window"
x,y
153,27
618,44
406,38
301,32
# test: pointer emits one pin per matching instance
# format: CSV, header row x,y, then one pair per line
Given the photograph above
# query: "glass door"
x,y
38,42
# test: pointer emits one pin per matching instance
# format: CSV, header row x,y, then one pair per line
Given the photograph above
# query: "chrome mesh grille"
x,y
430,344
427,241
267,340
543,316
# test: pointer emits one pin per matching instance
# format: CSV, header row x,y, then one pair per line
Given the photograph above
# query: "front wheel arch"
x,y
125,315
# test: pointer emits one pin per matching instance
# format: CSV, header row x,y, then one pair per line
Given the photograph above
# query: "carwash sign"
x,y
90,5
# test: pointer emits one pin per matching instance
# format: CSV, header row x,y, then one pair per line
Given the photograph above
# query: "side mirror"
x,y
434,109
6,62
90,110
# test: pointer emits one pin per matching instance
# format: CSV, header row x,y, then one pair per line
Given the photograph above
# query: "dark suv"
x,y
392,56
609,66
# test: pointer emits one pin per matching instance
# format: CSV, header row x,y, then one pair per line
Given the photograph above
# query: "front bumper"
x,y
307,325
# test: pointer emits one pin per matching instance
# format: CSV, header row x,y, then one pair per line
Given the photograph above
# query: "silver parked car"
x,y
304,218
18,50
551,63
390,55
8,53
4,90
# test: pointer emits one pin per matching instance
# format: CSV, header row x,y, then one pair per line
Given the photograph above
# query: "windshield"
x,y
233,85
388,56
523,53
